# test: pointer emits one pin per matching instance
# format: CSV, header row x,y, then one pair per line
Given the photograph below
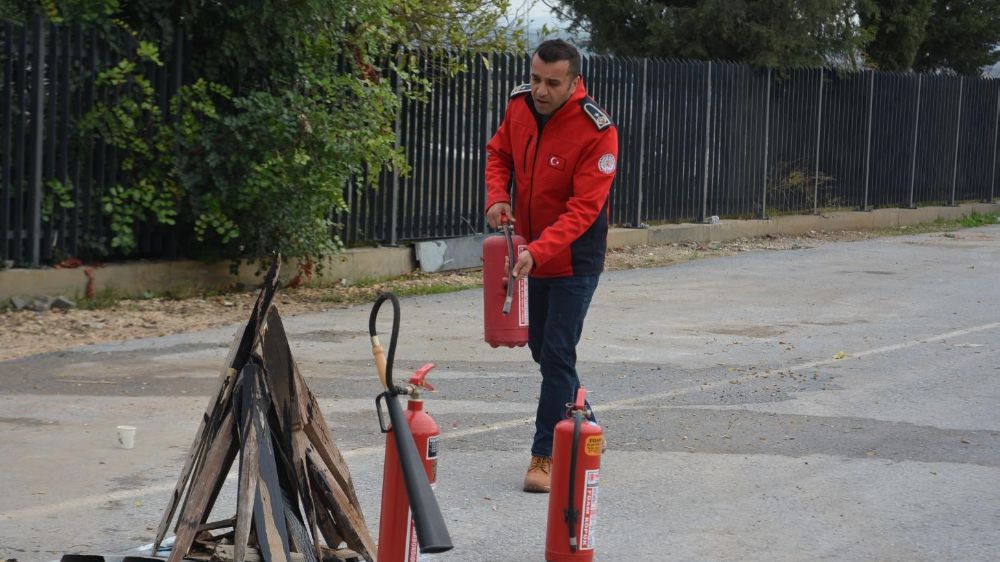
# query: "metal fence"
x,y
47,83
697,139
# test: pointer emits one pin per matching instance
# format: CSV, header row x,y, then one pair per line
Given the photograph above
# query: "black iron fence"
x,y
697,139
50,177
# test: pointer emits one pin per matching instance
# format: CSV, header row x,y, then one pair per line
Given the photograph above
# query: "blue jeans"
x,y
556,309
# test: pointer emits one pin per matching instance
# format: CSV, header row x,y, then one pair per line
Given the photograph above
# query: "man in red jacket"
x,y
561,149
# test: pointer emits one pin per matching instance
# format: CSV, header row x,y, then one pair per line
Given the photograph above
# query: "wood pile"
x,y
295,498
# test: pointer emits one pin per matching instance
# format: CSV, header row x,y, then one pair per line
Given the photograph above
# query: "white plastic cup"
x,y
126,436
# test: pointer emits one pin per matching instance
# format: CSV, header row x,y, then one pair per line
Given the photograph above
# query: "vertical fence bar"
x,y
767,138
996,134
37,138
916,135
819,129
958,131
50,232
394,196
868,142
6,112
643,117
703,213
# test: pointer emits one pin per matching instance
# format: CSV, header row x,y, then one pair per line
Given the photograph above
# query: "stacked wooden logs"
x,y
295,498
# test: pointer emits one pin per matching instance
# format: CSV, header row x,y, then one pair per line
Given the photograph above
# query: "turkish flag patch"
x,y
557,162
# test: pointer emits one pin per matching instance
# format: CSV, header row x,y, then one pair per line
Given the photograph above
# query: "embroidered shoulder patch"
x,y
597,115
522,89
607,164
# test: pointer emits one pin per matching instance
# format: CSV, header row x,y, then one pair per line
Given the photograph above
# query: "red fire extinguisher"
x,y
411,522
397,537
505,305
576,474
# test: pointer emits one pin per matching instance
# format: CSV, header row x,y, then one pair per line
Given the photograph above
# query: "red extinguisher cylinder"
x,y
397,535
505,308
576,475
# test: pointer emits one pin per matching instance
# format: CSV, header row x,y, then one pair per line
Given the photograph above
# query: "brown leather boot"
x,y
539,475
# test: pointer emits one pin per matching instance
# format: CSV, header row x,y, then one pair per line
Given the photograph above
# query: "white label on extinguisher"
x,y
432,446
412,545
589,508
522,292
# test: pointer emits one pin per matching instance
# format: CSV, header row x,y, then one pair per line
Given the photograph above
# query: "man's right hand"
x,y
494,213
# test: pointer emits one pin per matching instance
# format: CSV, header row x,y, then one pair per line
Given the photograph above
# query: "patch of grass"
x,y
421,290
941,225
108,298
365,290
975,219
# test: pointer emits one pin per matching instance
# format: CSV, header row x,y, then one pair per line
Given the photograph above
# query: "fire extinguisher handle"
x,y
581,399
419,377
378,409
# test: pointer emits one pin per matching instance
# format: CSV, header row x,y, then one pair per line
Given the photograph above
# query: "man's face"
x,y
551,84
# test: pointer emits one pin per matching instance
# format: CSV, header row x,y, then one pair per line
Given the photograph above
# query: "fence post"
x,y
916,134
37,137
958,132
398,126
868,142
708,142
767,138
488,130
996,133
819,128
644,108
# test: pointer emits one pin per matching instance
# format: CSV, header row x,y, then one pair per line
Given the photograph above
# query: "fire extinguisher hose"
x,y
511,258
432,533
572,515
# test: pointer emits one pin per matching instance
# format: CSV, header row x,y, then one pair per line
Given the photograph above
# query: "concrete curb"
x,y
135,278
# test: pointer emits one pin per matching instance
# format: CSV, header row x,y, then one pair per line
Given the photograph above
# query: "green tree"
x,y
899,28
285,102
962,36
762,32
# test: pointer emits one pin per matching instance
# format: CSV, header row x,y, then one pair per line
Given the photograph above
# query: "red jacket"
x,y
562,173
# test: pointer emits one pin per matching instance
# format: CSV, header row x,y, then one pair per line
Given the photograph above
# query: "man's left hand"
x,y
524,264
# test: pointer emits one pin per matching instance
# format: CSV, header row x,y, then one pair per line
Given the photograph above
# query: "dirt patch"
x,y
27,333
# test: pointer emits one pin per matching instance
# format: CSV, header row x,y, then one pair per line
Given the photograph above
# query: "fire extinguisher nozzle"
x,y
506,304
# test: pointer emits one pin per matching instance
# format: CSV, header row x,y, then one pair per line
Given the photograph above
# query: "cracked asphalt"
x,y
831,403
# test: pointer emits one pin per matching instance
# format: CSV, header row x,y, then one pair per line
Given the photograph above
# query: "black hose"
x,y
571,513
511,258
392,339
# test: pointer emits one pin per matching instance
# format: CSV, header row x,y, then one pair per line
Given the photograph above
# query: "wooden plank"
x,y
196,451
276,356
249,470
347,517
300,442
323,518
199,495
281,382
269,503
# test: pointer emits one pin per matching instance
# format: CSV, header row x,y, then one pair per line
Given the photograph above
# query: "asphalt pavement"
x,y
833,403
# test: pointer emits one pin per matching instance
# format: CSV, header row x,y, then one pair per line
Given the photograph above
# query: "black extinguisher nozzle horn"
x,y
432,532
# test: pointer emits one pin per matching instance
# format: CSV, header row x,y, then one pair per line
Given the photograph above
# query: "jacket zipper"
x,y
525,159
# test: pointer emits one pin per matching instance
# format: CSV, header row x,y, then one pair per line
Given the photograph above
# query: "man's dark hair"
x,y
556,50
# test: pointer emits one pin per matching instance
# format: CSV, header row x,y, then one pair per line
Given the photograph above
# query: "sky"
x,y
537,15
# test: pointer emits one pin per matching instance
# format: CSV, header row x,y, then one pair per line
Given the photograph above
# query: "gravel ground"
x,y
29,333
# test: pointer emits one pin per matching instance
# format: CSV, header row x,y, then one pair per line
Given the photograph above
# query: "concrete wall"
x,y
380,263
